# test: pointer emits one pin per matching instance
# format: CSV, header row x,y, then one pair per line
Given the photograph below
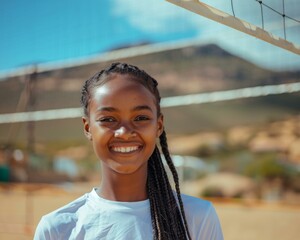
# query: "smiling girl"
x,y
123,120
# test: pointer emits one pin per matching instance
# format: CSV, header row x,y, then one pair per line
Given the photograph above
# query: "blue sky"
x,y
41,31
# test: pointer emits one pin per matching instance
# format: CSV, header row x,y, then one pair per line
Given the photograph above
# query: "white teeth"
x,y
125,149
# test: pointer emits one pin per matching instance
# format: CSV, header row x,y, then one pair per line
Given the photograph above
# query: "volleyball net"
x,y
275,22
167,102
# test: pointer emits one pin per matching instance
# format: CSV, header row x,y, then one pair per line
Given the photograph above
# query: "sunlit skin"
x,y
123,126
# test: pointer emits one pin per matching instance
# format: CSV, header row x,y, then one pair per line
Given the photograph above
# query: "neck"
x,y
124,187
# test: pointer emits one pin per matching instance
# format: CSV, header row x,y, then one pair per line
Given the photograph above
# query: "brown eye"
x,y
107,120
141,118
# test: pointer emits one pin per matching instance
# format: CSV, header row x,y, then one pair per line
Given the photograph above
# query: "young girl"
x,y
122,119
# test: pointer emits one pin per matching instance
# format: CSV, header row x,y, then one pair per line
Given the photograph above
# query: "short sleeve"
x,y
202,219
217,233
211,227
44,231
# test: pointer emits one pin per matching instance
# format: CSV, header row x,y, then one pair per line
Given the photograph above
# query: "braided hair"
x,y
167,211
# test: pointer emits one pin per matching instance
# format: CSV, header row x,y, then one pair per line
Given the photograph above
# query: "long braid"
x,y
167,214
158,198
154,217
165,150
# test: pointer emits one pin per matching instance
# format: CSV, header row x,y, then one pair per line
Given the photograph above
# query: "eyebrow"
x,y
142,107
107,109
137,108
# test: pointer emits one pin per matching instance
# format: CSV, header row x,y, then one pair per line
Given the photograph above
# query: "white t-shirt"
x,y
92,217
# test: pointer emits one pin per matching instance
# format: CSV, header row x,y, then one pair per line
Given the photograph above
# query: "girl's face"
x,y
123,125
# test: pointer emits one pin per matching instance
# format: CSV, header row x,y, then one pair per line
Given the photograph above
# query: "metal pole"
x,y
31,91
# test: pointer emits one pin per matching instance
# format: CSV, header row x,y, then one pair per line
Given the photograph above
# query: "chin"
x,y
127,170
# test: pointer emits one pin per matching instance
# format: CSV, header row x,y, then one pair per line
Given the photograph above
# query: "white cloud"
x,y
155,16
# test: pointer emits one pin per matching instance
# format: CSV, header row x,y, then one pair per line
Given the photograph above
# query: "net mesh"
x,y
276,22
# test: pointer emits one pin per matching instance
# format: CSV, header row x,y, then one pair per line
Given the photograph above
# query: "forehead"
x,y
122,88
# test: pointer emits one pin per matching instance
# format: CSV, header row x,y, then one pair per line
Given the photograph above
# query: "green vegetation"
x,y
267,166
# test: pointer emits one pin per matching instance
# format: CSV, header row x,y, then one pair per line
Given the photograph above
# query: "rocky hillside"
x,y
179,72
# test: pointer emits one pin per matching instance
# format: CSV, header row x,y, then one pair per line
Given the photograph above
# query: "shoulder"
x,y
202,218
196,205
60,220
67,212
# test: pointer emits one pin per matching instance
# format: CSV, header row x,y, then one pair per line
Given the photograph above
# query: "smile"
x,y
125,149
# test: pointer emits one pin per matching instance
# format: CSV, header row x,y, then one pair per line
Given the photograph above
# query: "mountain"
x,y
181,71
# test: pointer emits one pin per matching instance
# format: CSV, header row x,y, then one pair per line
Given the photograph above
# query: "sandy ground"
x,y
261,222
21,210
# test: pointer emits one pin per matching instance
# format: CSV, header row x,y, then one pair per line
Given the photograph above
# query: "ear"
x,y
160,125
86,128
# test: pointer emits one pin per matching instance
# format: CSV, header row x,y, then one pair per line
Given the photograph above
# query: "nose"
x,y
125,132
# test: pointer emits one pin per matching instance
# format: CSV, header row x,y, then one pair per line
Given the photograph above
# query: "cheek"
x,y
100,138
150,135
100,132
